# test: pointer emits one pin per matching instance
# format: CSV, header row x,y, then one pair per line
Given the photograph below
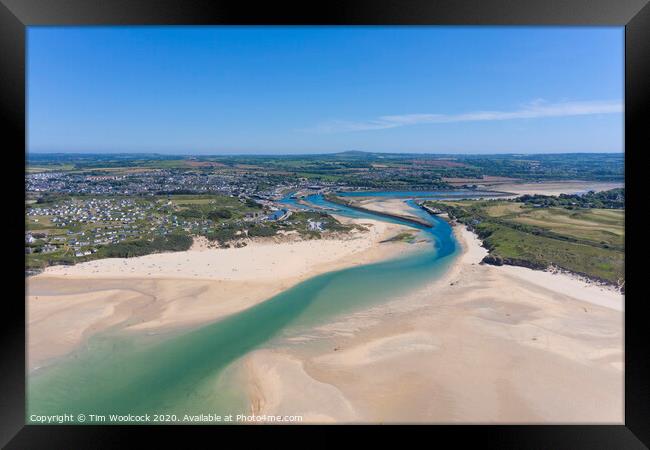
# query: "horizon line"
x,y
59,152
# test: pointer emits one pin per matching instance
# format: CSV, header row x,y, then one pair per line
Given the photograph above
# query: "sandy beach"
x,y
386,205
553,187
483,344
66,304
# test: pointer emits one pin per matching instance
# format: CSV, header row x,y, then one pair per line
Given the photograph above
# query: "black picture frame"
x,y
16,15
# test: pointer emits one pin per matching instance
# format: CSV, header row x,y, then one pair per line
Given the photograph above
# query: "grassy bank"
x,y
589,242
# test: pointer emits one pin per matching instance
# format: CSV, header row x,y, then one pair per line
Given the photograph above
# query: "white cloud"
x,y
536,109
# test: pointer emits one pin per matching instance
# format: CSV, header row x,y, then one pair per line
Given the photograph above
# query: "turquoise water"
x,y
292,202
191,372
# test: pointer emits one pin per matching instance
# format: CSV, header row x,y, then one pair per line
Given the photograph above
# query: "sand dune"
x,y
554,187
387,205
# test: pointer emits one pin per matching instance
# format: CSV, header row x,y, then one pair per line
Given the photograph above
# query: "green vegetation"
x,y
588,242
564,166
64,229
66,254
614,198
311,223
387,171
262,230
85,206
307,224
42,260
140,247
223,234
217,208
402,237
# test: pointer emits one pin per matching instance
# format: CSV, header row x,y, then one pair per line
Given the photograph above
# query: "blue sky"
x,y
215,90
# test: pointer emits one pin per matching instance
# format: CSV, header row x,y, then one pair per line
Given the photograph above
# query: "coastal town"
x,y
324,225
262,186
70,216
80,208
74,229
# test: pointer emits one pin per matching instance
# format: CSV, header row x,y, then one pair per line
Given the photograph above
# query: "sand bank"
x,y
483,344
155,292
554,187
392,206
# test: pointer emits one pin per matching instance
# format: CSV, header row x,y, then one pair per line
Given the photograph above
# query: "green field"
x,y
591,226
138,226
584,241
142,235
49,168
424,171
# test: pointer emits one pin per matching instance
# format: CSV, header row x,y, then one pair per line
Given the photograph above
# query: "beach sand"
x,y
66,304
386,205
554,187
483,344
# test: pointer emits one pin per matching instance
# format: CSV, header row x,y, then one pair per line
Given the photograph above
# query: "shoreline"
x,y
166,291
604,285
548,349
553,188
414,359
407,218
559,282
394,207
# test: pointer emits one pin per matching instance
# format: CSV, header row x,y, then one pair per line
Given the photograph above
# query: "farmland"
x,y
586,241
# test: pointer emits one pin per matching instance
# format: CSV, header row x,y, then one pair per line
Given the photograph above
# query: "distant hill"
x,y
356,153
406,168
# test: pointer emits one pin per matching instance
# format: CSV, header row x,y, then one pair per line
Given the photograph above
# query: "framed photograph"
x,y
360,213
